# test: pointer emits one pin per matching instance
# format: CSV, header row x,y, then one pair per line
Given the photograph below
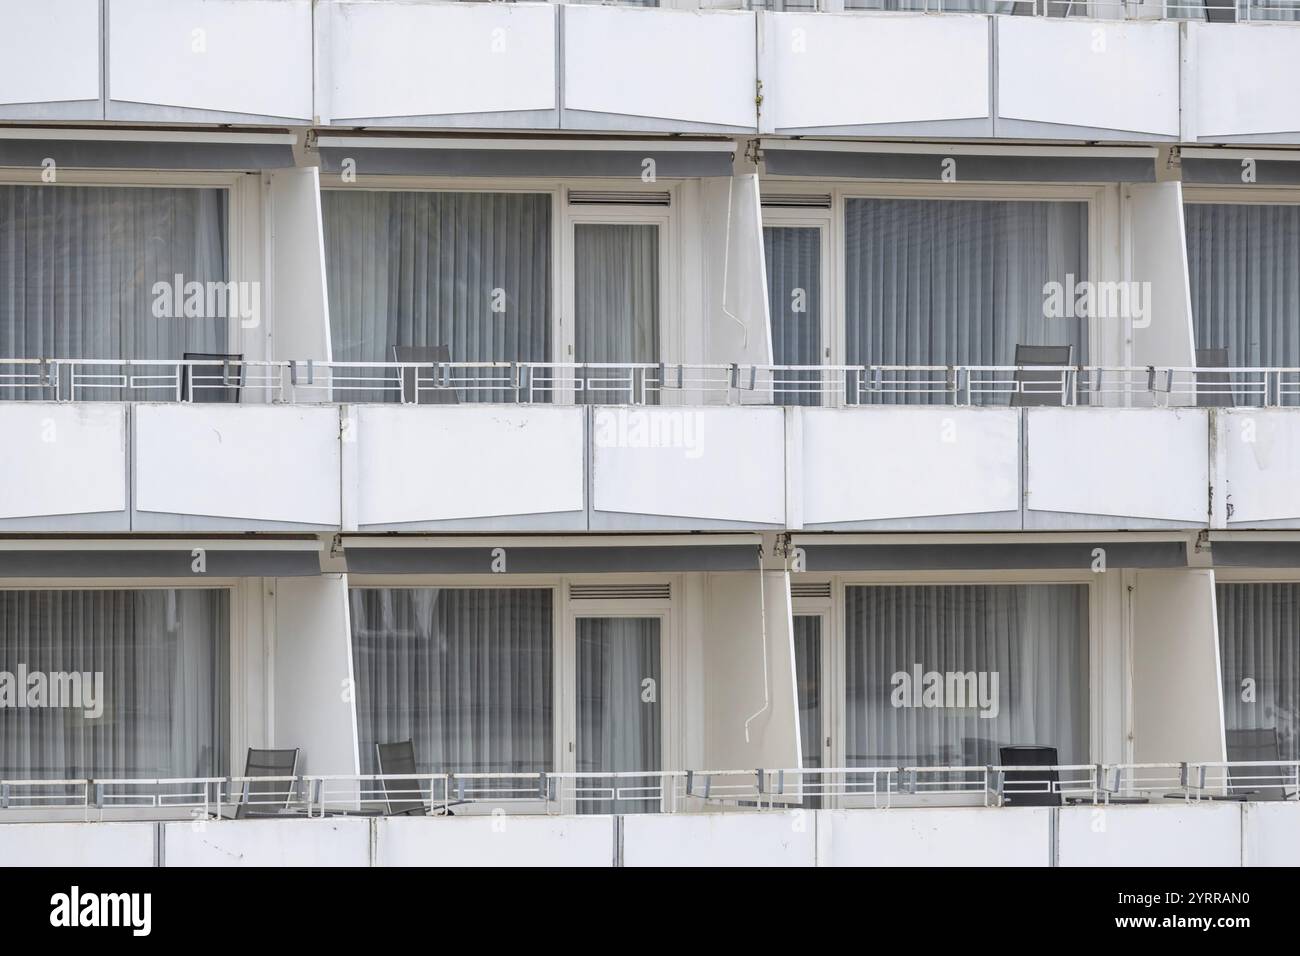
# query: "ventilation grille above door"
x,y
620,592
602,197
796,201
819,590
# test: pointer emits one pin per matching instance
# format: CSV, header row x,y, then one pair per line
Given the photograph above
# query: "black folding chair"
x,y
222,381
269,797
404,797
414,378
1029,788
1038,389
1261,783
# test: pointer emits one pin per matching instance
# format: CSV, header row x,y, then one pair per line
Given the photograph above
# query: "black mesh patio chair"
x,y
403,797
1218,385
269,797
1029,788
424,394
1220,11
219,382
1268,782
1039,389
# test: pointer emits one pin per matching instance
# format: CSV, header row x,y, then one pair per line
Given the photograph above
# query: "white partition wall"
x,y
826,73
210,60
300,309
437,64
737,326
1159,317
1226,101
1085,79
37,35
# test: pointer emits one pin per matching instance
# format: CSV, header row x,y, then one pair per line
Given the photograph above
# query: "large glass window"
x,y
793,256
959,282
1259,643
615,304
464,673
944,675
114,684
1244,267
78,268
468,273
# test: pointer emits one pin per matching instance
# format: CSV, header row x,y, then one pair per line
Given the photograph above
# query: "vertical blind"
x,y
1259,642
464,673
78,266
958,282
1034,637
1243,263
794,288
468,271
162,660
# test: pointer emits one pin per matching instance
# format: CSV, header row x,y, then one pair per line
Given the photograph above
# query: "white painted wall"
x,y
1002,836
495,841
299,295
314,692
333,841
858,464
686,65
778,838
750,700
1261,450
248,57
737,325
62,458
1239,80
1270,834
37,35
1156,257
1100,75
716,463
380,60
1177,691
440,463
1167,834
267,463
1137,463
837,70
77,844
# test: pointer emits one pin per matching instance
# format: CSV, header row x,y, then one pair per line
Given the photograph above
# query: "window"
x,y
793,257
468,272
78,266
114,684
1259,642
944,675
464,673
958,282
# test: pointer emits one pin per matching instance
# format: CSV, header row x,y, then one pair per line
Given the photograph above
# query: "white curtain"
x,y
468,271
164,660
1034,637
616,301
1259,640
1244,265
618,707
78,265
794,289
464,673
958,282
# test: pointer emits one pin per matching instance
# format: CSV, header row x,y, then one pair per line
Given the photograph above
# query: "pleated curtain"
x,y
1259,640
1034,636
164,657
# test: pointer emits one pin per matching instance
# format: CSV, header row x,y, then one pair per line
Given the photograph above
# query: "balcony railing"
x,y
307,382
668,791
1214,11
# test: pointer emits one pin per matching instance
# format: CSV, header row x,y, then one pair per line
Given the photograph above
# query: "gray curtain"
x,y
808,680
164,660
794,289
1244,267
469,271
77,270
958,282
464,673
616,302
619,723
1259,639
1033,636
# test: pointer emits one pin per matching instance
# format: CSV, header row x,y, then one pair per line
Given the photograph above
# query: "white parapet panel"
x,y
77,844
887,74
1163,834
333,841
37,35
1136,467
436,64
64,460
196,60
972,836
689,467
1270,834
236,465
495,840
416,465
650,69
1239,83
1110,80
1260,448
901,463
776,838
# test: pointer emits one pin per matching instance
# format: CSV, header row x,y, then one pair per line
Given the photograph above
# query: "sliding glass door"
x,y
794,255
1259,645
